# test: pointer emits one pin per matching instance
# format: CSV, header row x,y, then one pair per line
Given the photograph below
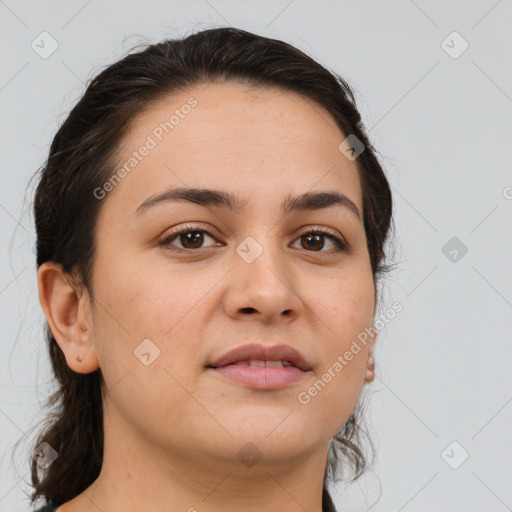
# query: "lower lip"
x,y
261,377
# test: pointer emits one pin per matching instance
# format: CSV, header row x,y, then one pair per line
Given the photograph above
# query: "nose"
x,y
265,289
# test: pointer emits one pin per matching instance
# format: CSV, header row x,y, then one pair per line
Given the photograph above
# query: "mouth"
x,y
262,367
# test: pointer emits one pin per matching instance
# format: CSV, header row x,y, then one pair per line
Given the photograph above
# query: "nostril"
x,y
248,310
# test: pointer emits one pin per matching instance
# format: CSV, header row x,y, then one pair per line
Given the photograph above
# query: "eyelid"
x,y
338,239
192,226
186,228
324,230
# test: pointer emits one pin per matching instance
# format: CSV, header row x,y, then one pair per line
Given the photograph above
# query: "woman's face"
x,y
165,312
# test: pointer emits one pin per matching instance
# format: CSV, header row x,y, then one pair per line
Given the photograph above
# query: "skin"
x,y
173,429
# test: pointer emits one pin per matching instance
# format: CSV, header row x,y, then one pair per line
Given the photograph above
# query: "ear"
x,y
370,369
69,317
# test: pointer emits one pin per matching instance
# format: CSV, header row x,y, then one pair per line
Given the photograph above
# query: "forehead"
x,y
251,142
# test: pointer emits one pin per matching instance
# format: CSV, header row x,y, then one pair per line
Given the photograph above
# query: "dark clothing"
x,y
50,507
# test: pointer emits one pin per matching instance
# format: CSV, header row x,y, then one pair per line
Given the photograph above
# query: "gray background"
x,y
443,127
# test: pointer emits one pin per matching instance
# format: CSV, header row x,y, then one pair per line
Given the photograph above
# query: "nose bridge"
x,y
263,280
261,254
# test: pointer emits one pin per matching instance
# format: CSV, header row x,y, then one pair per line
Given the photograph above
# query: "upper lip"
x,y
254,351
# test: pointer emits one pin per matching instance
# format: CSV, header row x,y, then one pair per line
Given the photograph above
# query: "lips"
x,y
255,354
261,367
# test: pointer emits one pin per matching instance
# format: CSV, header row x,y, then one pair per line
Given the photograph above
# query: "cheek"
x,y
139,319
165,307
347,304
346,307
142,303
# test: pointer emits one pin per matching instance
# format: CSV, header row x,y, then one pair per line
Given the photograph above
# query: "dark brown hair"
x,y
82,158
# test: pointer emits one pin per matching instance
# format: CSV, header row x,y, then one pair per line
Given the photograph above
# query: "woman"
x,y
211,224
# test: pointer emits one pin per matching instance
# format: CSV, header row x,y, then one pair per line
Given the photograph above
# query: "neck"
x,y
138,475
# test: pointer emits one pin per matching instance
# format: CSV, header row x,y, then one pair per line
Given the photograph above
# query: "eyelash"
x,y
341,246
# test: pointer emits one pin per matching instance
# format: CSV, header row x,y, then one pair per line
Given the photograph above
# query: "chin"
x,y
274,438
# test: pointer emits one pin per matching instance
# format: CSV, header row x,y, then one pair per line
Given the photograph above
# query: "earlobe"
x,y
68,317
370,365
370,369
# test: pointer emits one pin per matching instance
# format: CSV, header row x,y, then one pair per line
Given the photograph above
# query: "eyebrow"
x,y
308,201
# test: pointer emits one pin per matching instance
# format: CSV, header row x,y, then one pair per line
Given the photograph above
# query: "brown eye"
x,y
192,238
314,241
189,237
